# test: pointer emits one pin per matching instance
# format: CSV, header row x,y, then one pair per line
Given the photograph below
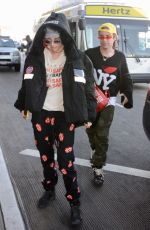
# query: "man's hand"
x,y
87,125
124,99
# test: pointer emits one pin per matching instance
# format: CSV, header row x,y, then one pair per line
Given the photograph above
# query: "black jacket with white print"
x,y
78,91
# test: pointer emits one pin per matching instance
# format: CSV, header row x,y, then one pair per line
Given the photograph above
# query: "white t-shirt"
x,y
54,97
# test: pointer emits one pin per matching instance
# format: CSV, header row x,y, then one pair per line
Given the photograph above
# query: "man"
x,y
111,76
58,89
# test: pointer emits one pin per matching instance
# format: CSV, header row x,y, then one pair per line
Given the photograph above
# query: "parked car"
x,y
18,45
9,54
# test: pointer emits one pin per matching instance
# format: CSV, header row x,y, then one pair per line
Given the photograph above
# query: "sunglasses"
x,y
107,37
56,41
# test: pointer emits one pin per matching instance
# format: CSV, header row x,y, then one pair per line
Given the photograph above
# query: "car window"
x,y
6,42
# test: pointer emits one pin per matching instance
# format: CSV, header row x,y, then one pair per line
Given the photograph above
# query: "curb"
x,y
10,215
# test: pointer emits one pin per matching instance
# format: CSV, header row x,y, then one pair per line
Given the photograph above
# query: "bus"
x,y
133,27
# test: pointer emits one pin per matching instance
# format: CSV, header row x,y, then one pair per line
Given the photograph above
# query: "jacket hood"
x,y
58,22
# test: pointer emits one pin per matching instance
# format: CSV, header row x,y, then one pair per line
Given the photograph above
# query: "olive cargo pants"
x,y
98,136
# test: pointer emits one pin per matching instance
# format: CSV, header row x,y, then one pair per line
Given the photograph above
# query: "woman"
x,y
58,89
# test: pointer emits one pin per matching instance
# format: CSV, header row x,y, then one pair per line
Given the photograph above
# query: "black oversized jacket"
x,y
78,95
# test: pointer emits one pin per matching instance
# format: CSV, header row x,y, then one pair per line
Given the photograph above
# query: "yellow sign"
x,y
114,11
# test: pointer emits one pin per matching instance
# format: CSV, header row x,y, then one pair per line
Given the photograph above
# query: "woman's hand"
x,y
25,114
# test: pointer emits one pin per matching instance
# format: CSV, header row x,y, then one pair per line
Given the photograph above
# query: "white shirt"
x,y
54,97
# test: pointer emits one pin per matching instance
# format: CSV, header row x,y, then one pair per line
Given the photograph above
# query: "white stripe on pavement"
x,y
108,167
11,213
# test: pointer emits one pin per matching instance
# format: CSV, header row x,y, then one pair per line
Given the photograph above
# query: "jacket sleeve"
x,y
20,102
89,89
126,84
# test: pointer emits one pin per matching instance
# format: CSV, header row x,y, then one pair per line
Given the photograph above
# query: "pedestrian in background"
x,y
29,43
58,89
111,76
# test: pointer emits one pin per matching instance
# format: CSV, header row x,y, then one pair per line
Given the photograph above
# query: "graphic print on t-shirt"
x,y
54,79
105,76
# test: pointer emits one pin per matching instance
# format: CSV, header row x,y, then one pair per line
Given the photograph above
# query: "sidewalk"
x,y
10,215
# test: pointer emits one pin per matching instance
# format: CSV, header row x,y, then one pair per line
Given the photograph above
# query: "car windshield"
x,y
5,42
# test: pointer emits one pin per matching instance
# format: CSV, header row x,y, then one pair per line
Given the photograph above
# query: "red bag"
x,y
102,100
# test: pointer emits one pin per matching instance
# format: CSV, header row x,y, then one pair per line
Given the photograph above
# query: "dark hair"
x,y
66,39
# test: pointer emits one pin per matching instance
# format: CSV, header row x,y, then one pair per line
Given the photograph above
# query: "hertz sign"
x,y
114,11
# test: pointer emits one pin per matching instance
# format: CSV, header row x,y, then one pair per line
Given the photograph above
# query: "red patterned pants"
x,y
51,129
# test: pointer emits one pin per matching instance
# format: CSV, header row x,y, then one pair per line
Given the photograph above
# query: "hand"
x,y
124,99
87,125
25,114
